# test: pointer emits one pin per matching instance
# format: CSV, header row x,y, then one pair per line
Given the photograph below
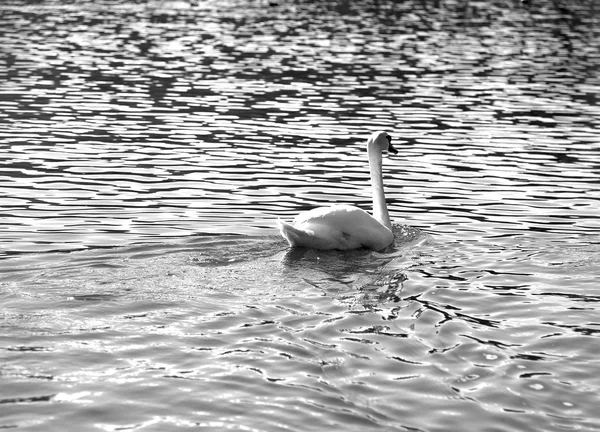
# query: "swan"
x,y
343,226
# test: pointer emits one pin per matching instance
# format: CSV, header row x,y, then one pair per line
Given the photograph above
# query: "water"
x,y
147,150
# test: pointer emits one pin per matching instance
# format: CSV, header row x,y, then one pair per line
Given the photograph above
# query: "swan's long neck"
x,y
380,211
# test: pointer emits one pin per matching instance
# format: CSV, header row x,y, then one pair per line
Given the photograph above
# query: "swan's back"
x,y
337,227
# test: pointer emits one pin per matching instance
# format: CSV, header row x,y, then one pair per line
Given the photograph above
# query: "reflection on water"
x,y
235,331
139,121
170,128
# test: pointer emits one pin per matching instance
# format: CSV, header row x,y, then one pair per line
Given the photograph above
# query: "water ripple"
x,y
205,95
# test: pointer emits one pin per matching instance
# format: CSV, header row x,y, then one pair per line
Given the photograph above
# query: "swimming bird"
x,y
343,226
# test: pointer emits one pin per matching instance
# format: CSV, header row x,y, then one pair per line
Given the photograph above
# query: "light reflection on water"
x,y
176,125
147,122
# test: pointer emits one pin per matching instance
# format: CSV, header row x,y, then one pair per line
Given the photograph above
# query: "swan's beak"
x,y
391,148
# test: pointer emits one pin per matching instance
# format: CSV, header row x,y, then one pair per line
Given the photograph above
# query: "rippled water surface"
x,y
147,148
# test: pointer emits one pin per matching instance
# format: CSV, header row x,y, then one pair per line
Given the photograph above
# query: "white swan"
x,y
343,226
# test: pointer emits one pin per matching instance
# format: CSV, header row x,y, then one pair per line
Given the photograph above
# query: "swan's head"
x,y
381,141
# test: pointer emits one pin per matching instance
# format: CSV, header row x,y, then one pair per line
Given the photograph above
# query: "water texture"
x,y
146,149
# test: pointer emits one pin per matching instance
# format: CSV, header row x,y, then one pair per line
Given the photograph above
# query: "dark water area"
x,y
147,148
126,122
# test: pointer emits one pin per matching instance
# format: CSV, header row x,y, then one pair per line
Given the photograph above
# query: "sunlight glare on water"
x,y
147,149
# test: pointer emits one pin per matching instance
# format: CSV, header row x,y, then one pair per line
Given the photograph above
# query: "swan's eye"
x,y
389,138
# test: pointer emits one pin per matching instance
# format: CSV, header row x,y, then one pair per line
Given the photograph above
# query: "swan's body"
x,y
343,226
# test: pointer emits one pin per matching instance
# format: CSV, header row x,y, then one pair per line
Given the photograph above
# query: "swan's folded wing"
x,y
343,227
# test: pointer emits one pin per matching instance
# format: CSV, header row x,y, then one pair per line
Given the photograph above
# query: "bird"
x,y
346,227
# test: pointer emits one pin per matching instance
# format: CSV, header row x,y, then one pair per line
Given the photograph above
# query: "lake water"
x,y
147,149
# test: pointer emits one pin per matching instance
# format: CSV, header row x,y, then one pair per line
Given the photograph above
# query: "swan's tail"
x,y
293,235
